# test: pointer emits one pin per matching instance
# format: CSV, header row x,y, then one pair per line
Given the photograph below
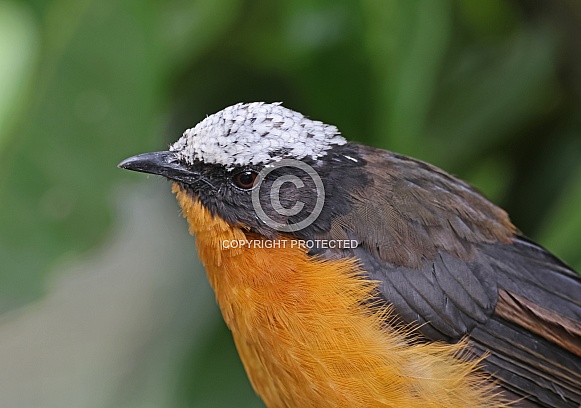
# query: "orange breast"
x,y
308,339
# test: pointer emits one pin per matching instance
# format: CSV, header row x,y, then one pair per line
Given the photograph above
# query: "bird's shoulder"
x,y
451,262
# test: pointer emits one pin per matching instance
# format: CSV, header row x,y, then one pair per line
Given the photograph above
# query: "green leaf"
x,y
18,53
406,43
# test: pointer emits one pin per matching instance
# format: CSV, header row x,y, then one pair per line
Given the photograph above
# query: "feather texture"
x,y
308,337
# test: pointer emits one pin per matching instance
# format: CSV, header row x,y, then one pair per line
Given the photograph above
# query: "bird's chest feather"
x,y
305,335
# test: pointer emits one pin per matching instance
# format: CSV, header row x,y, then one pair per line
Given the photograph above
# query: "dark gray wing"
x,y
451,262
450,298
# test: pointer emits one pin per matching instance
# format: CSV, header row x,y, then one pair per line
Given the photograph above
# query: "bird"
x,y
352,276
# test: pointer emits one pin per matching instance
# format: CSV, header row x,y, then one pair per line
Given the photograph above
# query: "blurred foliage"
x,y
488,90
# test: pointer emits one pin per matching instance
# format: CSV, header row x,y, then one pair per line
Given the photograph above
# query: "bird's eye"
x,y
245,179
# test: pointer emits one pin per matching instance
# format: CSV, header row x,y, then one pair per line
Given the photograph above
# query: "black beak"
x,y
162,163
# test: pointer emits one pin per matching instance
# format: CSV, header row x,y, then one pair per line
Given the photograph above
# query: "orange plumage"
x,y
308,336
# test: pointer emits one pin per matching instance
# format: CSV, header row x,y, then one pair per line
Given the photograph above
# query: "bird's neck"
x,y
307,335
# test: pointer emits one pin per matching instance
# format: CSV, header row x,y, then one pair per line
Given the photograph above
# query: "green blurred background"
x,y
102,300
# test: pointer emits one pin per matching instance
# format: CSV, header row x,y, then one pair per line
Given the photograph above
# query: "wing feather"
x,y
451,262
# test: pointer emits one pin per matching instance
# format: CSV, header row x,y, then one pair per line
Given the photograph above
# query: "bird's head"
x,y
262,167
271,171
